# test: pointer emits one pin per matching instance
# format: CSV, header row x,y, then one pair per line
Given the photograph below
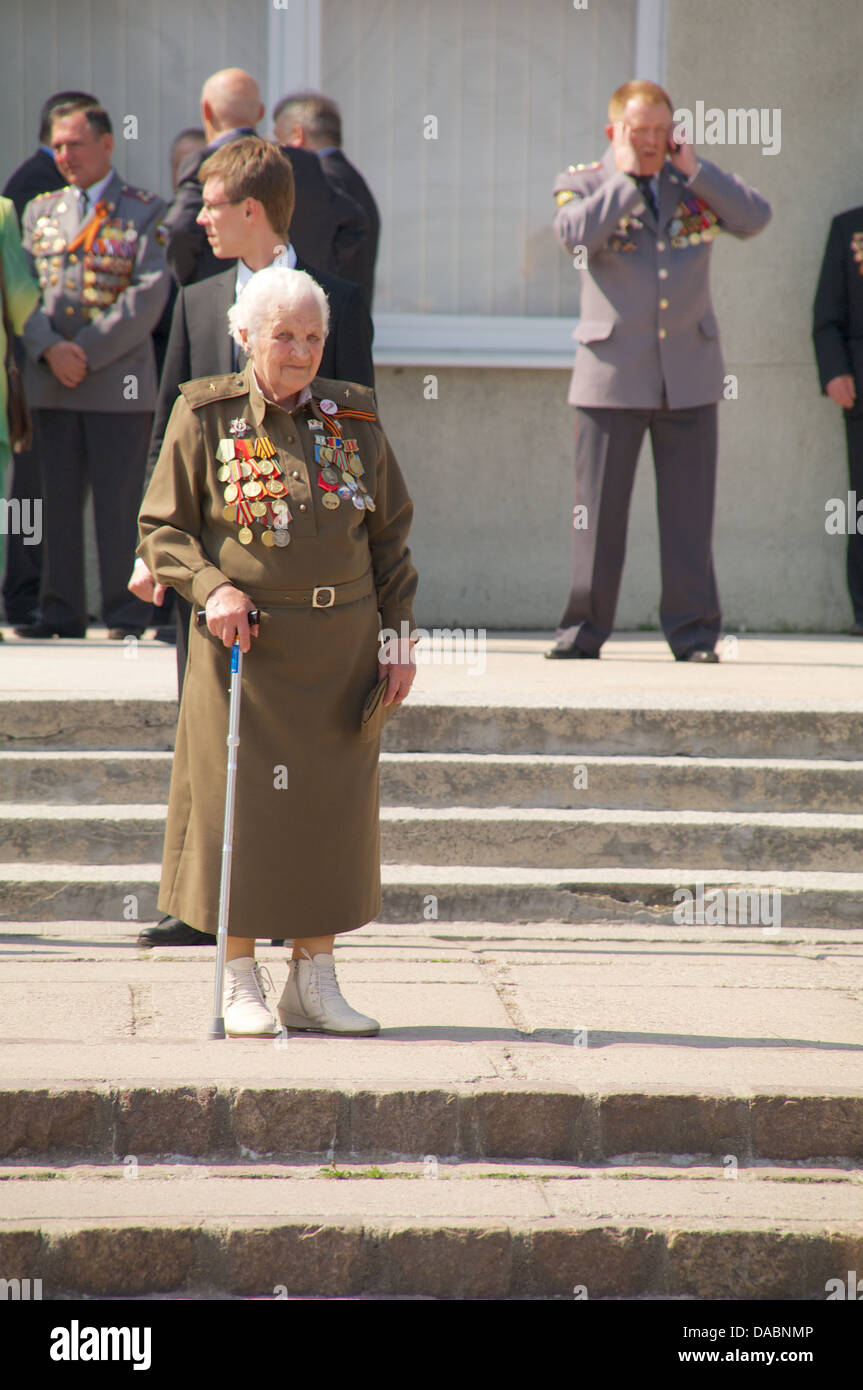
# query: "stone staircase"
x,y
572,1183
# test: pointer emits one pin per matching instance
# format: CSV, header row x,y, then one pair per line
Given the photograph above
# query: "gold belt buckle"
x,y
327,589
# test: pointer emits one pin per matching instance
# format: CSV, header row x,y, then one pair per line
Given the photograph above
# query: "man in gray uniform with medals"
x,y
90,373
643,220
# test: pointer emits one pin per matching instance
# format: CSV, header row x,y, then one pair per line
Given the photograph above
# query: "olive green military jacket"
x,y
191,533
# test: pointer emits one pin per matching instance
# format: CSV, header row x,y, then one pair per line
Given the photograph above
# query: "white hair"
x,y
269,294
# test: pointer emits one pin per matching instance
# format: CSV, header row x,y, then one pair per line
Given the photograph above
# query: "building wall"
x,y
490,459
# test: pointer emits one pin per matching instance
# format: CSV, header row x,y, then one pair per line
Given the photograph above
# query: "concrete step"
x,y
464,1231
736,731
514,1120
483,779
126,895
524,837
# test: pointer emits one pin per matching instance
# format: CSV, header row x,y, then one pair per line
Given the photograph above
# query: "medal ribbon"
x,y
87,234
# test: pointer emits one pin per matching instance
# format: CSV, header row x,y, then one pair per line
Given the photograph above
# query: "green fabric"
x,y
22,296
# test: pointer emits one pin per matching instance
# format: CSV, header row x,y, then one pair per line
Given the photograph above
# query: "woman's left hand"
x,y
397,664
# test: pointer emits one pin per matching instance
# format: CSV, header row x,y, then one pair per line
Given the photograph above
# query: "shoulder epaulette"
x,y
351,398
580,168
52,193
218,388
140,193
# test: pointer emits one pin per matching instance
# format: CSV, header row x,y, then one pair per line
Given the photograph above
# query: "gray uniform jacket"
x,y
107,297
647,319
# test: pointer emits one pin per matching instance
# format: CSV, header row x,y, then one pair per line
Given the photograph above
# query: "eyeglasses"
x,y
230,203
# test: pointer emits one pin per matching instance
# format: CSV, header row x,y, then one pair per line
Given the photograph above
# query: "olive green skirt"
x,y
306,840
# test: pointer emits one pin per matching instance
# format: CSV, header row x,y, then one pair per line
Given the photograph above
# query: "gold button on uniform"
x,y
660,246
302,506
662,332
663,274
663,303
295,474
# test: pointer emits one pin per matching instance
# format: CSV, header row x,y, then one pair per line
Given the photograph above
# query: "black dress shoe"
x,y
39,630
172,932
699,654
568,651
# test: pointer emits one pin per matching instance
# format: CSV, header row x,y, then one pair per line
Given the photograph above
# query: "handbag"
x,y
17,409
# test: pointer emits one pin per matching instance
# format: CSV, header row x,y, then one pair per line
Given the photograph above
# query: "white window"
x,y
460,113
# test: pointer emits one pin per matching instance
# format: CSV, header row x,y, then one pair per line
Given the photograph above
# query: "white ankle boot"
x,y
246,1013
312,999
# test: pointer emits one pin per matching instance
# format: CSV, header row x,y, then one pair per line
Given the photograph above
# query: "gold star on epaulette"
x,y
564,196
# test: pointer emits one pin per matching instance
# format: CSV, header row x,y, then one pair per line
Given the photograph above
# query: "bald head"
x,y
230,99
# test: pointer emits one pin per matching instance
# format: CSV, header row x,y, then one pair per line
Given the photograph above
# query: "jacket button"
x,y
662,332
295,474
302,506
663,274
660,246
663,303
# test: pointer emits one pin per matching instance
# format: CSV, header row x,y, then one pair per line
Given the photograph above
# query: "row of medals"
x,y
256,489
700,224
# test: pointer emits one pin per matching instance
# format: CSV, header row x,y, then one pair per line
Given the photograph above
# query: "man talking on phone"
x,y
640,226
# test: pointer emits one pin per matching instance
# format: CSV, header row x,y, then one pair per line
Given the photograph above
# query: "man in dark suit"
x,y
327,224
640,226
837,333
248,197
23,576
311,121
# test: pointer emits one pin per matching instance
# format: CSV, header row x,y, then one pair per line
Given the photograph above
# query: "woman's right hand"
x,y
227,612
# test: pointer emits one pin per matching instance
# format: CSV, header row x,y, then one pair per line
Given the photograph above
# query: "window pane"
x,y
517,92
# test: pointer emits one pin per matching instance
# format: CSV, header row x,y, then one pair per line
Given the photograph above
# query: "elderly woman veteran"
x,y
279,492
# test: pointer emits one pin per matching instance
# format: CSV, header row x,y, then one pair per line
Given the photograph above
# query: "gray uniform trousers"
x,y
108,451
607,444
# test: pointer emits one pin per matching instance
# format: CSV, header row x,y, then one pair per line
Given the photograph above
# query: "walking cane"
x,y
217,1023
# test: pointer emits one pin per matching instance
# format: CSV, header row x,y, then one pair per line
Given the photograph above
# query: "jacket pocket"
x,y
708,325
375,713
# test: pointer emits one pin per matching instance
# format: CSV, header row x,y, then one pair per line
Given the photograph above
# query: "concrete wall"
x,y
492,522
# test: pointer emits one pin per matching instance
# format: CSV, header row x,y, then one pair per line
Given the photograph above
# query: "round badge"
x,y
258,508
229,513
268,539
252,489
358,502
694,238
330,500
328,407
369,504
708,234
279,506
232,492
245,535
277,488
224,473
343,491
266,466
246,469
281,537
330,475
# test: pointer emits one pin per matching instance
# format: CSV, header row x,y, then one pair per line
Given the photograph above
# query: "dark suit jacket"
x,y
200,344
325,229
38,174
344,175
837,328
